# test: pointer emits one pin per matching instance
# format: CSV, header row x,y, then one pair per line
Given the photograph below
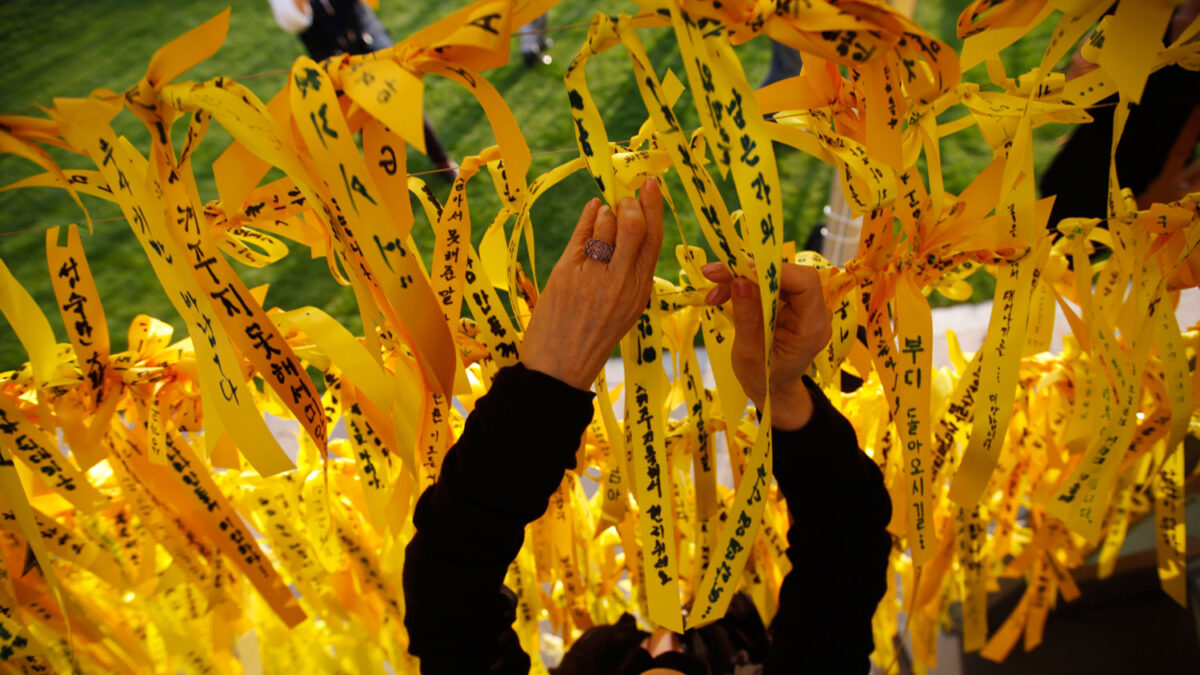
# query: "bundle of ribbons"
x,y
150,520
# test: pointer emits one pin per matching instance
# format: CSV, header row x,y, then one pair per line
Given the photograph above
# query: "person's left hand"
x,y
803,327
588,305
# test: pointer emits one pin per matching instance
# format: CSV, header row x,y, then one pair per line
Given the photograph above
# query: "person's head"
x,y
623,649
738,639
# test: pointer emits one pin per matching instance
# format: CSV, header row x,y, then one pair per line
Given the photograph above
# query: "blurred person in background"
x,y
1155,154
331,27
534,42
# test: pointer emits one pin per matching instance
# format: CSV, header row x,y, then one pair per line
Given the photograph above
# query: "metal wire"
x,y
43,228
516,35
544,153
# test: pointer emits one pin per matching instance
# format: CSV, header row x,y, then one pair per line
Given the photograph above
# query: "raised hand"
x,y
598,288
803,327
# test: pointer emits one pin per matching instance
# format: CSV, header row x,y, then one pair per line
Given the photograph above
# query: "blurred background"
x,y
54,48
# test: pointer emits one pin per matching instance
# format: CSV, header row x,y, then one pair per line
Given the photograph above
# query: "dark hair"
x,y
737,639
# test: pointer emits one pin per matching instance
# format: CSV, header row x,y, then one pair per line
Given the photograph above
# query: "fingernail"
x,y
649,182
593,202
742,288
603,211
712,267
711,298
626,203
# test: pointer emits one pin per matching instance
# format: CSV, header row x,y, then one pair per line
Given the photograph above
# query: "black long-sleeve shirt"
x,y
514,450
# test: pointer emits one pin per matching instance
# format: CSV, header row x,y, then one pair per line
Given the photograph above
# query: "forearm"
x,y
470,524
838,546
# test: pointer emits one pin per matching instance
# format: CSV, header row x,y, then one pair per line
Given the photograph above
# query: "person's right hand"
x,y
588,305
803,326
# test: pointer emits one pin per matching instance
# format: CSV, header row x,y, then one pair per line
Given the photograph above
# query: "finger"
x,y
717,272
631,232
747,307
718,295
651,201
801,291
585,226
606,225
809,320
747,323
605,230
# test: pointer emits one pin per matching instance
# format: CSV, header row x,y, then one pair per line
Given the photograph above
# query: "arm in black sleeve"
x,y
838,544
498,477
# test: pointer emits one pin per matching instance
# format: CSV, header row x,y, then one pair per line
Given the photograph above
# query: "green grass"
x,y
54,48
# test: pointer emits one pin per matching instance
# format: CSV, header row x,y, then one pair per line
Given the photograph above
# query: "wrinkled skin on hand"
x,y
588,305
